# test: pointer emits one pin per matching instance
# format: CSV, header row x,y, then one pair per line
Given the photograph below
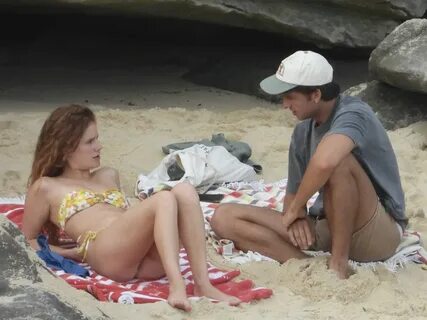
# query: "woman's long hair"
x,y
59,137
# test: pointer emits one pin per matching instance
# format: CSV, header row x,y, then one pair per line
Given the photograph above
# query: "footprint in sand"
x,y
10,178
5,124
8,133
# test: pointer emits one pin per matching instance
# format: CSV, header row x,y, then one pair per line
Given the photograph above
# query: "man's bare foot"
x,y
341,268
210,291
178,299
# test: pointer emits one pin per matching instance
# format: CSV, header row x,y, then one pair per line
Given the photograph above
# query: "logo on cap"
x,y
281,71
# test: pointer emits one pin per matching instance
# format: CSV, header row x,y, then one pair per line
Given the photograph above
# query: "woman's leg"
x,y
192,235
131,238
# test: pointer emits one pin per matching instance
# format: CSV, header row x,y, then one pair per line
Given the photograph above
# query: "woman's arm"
x,y
36,214
36,211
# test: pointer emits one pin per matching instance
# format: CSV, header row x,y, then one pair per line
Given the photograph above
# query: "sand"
x,y
132,137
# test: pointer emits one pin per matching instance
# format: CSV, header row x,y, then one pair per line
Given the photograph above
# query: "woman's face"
x,y
88,153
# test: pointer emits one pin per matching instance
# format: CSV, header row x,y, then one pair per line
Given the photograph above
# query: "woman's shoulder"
x,y
107,174
42,184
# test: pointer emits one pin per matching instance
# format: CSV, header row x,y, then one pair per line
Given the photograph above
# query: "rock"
x,y
395,8
15,261
395,108
26,302
327,23
401,58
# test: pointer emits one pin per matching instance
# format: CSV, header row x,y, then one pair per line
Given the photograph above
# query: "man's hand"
x,y
301,234
298,228
292,214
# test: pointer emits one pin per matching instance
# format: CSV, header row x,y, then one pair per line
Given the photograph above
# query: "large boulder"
x,y
27,302
394,8
28,290
401,58
16,258
394,107
327,23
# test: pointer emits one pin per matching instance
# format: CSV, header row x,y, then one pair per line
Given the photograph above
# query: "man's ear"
x,y
316,95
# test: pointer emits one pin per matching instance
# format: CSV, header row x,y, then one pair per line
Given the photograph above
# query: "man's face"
x,y
302,106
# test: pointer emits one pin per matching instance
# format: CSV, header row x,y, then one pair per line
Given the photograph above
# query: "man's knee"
x,y
343,170
221,221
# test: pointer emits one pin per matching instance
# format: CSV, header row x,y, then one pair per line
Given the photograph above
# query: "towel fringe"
x,y
259,185
13,200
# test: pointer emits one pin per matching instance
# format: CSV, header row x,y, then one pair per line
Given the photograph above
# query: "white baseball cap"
x,y
302,68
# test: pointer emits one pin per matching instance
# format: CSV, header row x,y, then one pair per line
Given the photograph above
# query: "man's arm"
x,y
287,200
299,231
329,153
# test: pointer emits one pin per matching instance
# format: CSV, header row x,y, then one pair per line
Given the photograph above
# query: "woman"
x,y
116,240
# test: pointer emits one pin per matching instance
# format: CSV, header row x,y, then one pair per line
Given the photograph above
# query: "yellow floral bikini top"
x,y
79,200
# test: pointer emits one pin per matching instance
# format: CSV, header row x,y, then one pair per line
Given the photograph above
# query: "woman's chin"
x,y
95,165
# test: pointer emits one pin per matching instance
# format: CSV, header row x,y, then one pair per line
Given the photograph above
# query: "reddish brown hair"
x,y
59,136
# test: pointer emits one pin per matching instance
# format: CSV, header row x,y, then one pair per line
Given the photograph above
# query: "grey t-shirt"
x,y
355,119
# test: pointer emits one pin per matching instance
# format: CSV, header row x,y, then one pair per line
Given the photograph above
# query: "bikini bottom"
x,y
87,237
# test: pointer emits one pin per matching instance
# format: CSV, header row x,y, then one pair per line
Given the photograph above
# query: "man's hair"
x,y
329,91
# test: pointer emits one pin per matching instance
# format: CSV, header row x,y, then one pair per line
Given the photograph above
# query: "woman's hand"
x,y
72,254
69,253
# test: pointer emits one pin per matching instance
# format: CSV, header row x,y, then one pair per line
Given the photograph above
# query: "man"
x,y
339,149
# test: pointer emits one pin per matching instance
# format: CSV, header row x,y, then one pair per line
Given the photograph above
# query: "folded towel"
x,y
54,260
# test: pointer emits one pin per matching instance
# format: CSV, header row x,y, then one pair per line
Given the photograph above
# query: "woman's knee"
x,y
186,190
164,201
165,197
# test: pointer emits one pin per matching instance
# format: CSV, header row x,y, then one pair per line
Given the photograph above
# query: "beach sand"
x,y
160,114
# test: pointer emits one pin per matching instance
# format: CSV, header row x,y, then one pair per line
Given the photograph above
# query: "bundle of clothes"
x,y
204,164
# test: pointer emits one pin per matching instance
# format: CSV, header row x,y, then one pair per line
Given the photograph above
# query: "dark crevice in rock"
x,y
230,58
233,7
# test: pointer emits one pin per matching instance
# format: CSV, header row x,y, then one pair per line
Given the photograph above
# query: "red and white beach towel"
x,y
137,291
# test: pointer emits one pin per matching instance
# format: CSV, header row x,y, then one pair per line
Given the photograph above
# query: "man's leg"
x,y
256,229
350,202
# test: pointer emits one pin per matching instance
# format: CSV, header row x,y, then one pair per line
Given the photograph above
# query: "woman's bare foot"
x,y
178,299
210,291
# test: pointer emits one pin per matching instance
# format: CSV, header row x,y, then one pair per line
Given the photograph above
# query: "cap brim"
x,y
272,85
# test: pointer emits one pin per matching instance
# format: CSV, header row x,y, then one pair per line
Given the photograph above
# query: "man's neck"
x,y
325,110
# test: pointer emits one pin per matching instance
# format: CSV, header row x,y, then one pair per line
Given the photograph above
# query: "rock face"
x,y
26,302
326,23
401,58
14,262
394,107
394,8
23,294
